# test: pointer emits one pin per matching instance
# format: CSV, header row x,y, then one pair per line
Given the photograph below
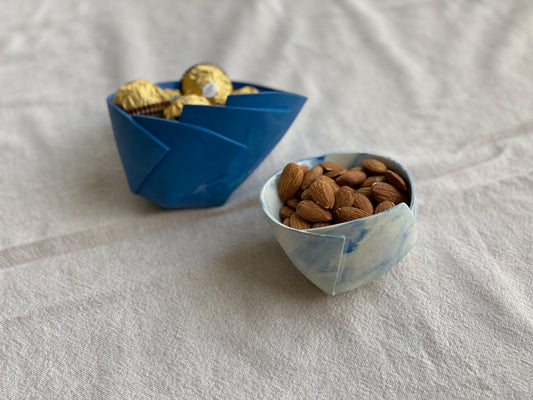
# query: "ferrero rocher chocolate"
x,y
141,97
176,108
171,94
245,90
209,81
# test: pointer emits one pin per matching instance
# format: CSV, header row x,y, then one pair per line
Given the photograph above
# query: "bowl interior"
x,y
271,203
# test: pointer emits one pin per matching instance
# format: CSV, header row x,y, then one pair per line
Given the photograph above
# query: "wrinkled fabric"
x,y
104,295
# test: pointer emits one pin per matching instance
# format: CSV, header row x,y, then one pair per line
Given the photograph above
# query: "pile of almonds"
x,y
330,193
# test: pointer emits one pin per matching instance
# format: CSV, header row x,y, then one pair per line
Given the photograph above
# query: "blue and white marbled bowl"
x,y
342,257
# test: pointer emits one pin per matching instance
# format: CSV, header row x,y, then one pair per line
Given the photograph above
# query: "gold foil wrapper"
x,y
140,97
209,81
245,90
171,94
176,108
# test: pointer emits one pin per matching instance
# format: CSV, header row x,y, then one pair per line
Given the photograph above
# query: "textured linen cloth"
x,y
104,295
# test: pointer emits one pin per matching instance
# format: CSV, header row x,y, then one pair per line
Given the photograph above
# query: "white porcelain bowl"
x,y
342,257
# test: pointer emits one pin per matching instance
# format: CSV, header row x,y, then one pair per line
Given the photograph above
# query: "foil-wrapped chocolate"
x,y
176,108
209,81
245,90
171,94
141,97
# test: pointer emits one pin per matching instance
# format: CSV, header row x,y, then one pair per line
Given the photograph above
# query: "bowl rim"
x,y
365,155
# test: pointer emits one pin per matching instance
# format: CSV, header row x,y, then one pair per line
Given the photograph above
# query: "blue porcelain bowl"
x,y
200,160
342,257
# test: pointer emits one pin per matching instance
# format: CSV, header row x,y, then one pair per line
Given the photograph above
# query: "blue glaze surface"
x,y
200,160
353,244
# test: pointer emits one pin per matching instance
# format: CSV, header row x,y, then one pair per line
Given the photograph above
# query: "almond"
x,y
292,202
321,224
382,191
322,193
311,211
306,195
361,201
384,205
330,166
329,181
289,181
374,166
365,191
351,178
343,198
335,173
285,212
310,176
373,179
345,214
297,222
304,168
351,189
396,180
287,222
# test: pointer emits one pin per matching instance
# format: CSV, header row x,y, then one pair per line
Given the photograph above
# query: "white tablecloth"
x,y
104,295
